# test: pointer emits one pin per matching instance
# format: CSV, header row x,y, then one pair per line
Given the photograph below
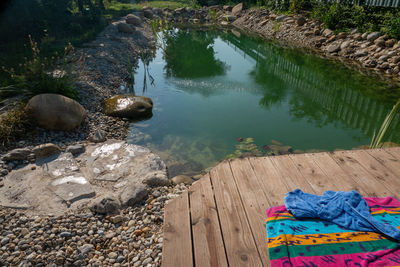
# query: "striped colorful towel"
x,y
293,242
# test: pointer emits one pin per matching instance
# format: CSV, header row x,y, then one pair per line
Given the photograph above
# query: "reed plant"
x,y
378,138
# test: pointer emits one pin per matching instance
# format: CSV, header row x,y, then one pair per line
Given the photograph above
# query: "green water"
x,y
213,88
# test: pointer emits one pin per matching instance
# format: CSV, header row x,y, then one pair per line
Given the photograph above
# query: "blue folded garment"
x,y
346,209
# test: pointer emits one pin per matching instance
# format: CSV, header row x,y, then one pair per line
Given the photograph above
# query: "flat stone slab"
x,y
72,188
64,165
113,169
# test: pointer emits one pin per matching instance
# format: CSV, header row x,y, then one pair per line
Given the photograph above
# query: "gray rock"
x,y
227,8
85,249
396,59
147,261
4,241
380,42
55,112
345,44
133,194
112,255
127,106
147,13
106,205
281,18
120,259
373,36
157,179
301,21
133,20
364,36
65,234
125,28
332,48
361,53
46,150
182,179
98,136
76,149
327,33
237,9
17,154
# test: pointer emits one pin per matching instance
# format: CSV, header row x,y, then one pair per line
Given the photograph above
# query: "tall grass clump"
x,y
40,75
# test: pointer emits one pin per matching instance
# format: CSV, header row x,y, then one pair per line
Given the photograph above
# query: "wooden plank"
x,y
239,243
343,181
207,237
270,180
290,174
177,246
381,172
313,174
254,201
350,165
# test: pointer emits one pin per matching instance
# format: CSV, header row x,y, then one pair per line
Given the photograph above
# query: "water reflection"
x,y
191,54
214,88
316,91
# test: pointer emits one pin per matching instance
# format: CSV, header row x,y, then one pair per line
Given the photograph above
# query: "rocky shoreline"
x,y
368,52
131,235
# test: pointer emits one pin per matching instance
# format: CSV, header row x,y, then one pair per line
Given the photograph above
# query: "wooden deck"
x,y
220,221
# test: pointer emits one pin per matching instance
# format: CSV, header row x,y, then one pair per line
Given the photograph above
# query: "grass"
x,y
377,138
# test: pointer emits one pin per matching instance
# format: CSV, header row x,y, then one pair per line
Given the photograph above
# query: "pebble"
x,y
74,239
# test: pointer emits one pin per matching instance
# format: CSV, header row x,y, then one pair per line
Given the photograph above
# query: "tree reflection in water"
x,y
190,54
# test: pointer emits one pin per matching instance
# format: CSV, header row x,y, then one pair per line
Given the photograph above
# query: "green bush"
x,y
391,24
38,76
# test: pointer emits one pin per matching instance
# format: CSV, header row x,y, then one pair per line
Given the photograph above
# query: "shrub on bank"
x,y
13,124
40,75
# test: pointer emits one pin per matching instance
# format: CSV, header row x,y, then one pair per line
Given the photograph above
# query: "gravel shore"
x,y
132,238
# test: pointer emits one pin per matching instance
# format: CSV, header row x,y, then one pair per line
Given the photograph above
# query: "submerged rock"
x,y
126,106
182,179
55,112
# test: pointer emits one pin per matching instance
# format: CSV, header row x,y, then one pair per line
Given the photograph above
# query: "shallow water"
x,y
213,90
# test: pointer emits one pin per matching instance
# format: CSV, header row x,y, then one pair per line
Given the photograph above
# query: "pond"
x,y
223,94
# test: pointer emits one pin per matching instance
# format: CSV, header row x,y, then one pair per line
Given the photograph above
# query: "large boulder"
x,y
132,19
55,112
125,28
147,13
127,106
